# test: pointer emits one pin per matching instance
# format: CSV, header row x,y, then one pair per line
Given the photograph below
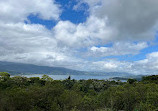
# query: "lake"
x,y
76,77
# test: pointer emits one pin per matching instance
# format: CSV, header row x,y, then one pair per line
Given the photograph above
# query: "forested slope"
x,y
45,94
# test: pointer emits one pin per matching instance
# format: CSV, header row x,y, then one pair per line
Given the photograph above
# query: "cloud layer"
x,y
127,25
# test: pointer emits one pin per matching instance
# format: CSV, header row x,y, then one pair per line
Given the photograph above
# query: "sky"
x,y
86,35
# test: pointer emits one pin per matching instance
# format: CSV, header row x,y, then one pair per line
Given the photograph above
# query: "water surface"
x,y
76,77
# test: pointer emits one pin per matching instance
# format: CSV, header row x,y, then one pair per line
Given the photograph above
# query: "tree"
x,y
131,81
4,76
69,78
46,78
19,81
150,79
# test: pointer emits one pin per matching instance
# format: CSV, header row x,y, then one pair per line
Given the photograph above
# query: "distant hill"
x,y
137,77
20,68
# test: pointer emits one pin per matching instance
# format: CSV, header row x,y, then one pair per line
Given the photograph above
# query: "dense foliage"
x,y
45,94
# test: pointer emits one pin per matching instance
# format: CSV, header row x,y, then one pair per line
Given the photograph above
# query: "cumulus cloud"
x,y
112,65
118,48
134,19
18,10
20,41
148,65
111,21
30,43
93,31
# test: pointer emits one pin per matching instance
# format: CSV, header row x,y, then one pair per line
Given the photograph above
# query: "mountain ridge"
x,y
22,68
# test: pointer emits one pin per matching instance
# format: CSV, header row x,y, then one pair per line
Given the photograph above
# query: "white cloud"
x,y
134,20
106,65
148,65
110,21
35,44
18,10
92,32
29,44
118,48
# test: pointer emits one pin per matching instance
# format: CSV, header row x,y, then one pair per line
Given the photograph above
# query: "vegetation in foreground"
x,y
45,94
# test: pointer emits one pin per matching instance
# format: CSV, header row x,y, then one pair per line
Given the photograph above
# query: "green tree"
x,y
131,81
4,75
46,78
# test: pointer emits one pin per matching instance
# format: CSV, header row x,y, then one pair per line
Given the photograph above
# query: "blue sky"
x,y
94,35
68,14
